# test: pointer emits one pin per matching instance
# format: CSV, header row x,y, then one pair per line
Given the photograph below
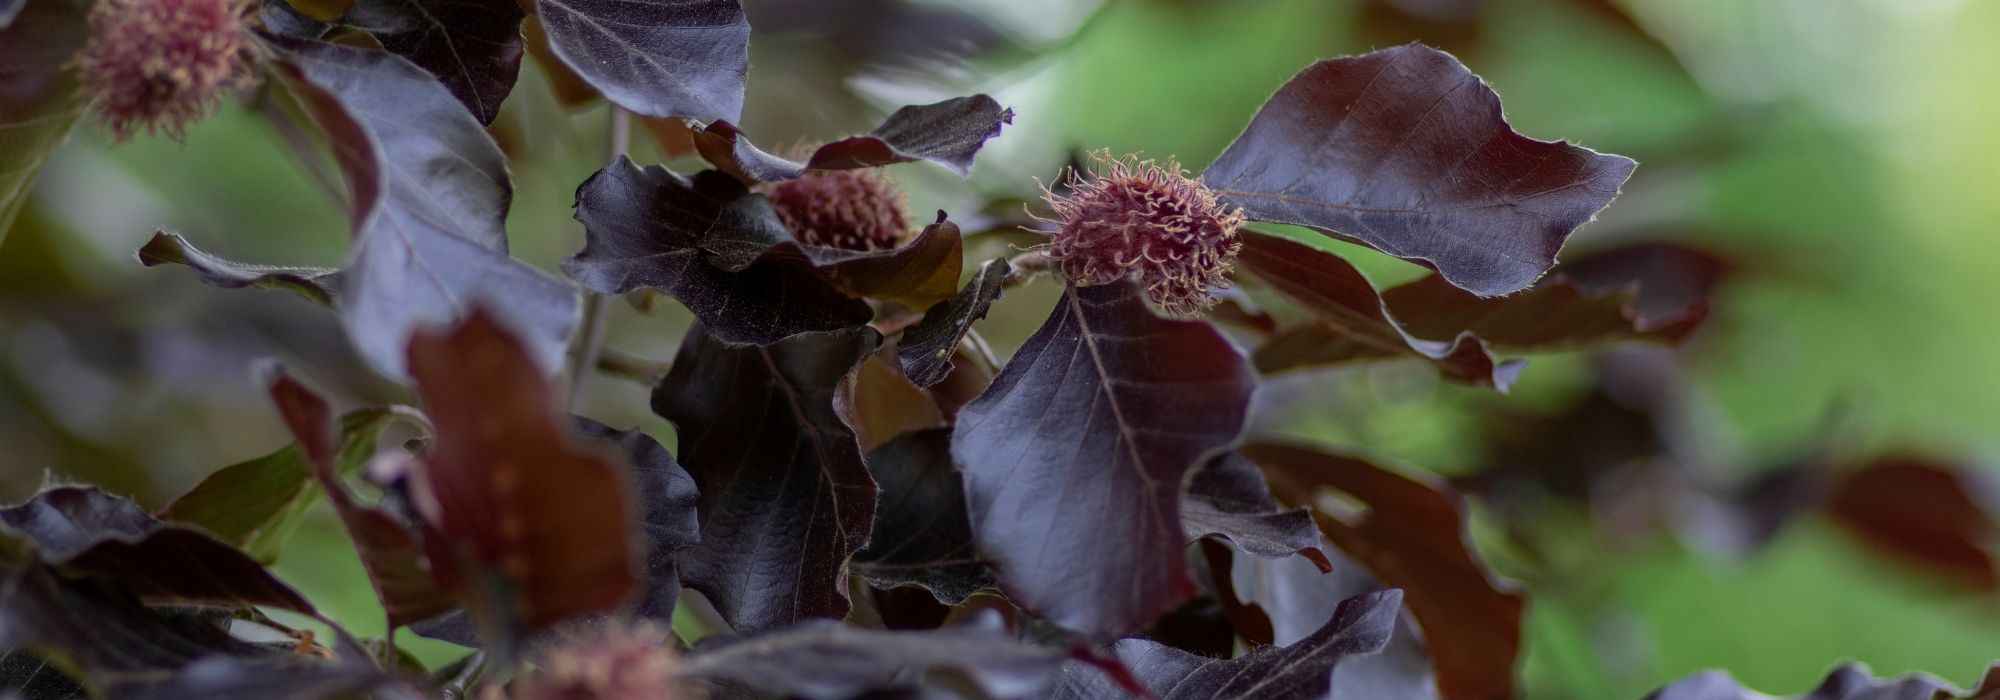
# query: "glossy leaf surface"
x,y
1075,456
1405,150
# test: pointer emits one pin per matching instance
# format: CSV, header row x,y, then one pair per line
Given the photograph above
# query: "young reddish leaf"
x,y
38,45
87,532
881,405
1306,669
430,196
1352,322
1406,151
785,496
1412,536
1646,291
916,274
1850,681
829,660
390,551
509,493
658,58
926,349
922,535
474,48
1228,498
1075,456
646,228
668,498
1927,512
317,284
947,133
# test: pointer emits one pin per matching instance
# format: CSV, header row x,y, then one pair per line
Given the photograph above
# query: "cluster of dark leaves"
x,y
846,446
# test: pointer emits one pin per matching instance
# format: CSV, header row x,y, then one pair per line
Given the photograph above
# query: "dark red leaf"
x,y
1307,669
473,47
828,660
1075,456
659,58
646,228
785,496
1406,151
87,532
916,274
925,350
948,133
430,196
922,535
1927,512
1412,536
1646,291
1352,321
510,494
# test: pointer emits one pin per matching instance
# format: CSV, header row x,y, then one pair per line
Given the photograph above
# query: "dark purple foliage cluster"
x,y
860,500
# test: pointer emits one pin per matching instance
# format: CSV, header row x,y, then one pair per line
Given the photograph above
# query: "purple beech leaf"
x,y
472,46
1405,150
646,228
785,496
925,350
1228,498
1851,681
658,58
1645,291
317,284
830,660
948,133
101,632
430,196
667,497
292,679
922,534
570,90
1412,536
1306,670
391,553
1351,320
1075,456
40,101
87,532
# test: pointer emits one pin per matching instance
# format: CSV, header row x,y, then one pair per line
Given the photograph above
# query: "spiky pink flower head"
x,y
164,64
614,662
1145,221
846,209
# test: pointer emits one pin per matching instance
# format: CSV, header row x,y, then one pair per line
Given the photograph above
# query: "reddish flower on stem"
x,y
1149,222
161,65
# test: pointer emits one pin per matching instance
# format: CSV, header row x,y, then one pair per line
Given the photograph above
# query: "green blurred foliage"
x,y
1842,151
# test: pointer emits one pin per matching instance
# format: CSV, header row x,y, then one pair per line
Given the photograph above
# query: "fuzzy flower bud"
x,y
161,65
612,663
1148,222
846,209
